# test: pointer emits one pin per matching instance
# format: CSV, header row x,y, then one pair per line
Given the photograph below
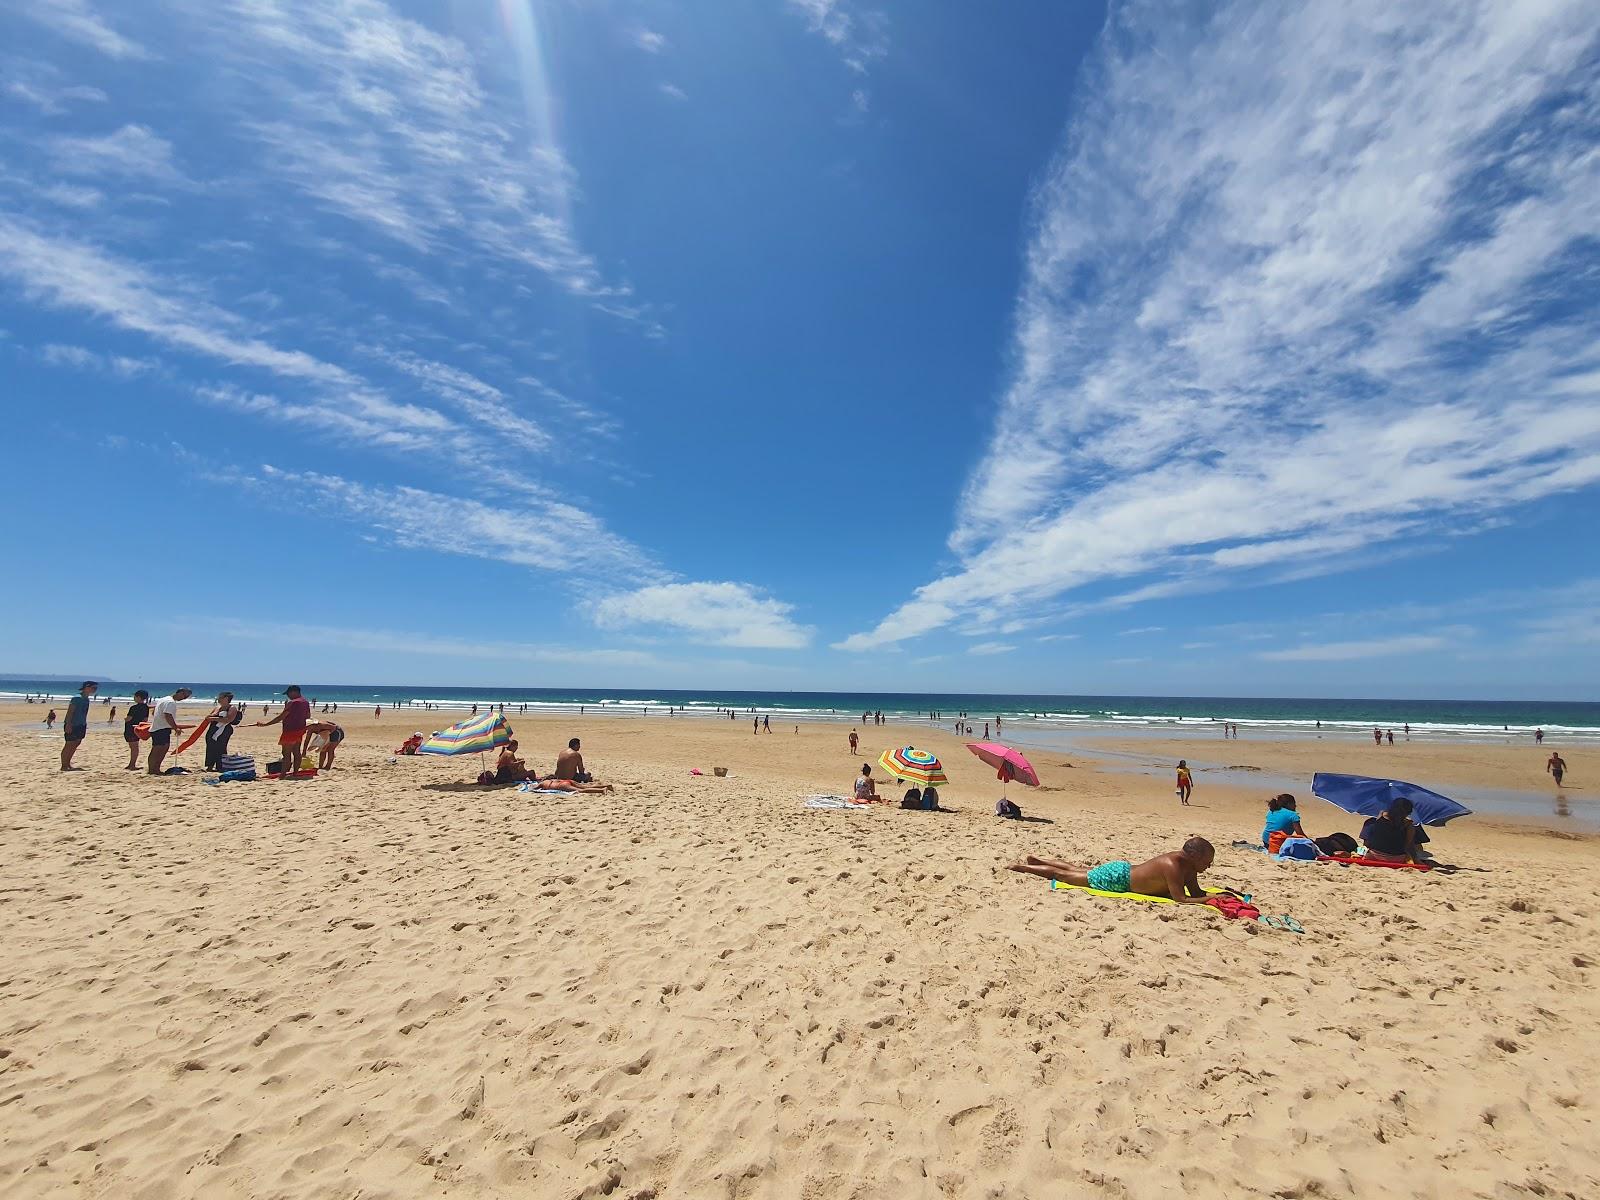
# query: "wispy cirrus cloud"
x,y
51,99
860,35
1303,280
77,21
131,152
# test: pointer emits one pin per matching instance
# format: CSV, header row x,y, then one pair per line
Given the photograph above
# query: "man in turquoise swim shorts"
x,y
1174,876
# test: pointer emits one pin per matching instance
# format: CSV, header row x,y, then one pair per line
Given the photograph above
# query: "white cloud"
x,y
673,91
991,648
77,21
1058,637
860,36
1303,281
83,359
1391,647
383,121
721,614
547,534
649,40
131,152
1142,629
53,101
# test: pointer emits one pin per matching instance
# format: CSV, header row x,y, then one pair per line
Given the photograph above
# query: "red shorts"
x,y
291,739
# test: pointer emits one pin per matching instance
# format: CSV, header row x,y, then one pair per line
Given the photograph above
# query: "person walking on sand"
x,y
111,717
766,723
1377,736
1185,780
986,731
1538,737
50,719
1557,766
76,727
294,717
1391,737
854,742
1174,876
163,724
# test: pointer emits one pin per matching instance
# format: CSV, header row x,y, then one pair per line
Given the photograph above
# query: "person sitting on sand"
x,y
1283,821
1175,875
509,767
866,787
569,763
1393,836
411,745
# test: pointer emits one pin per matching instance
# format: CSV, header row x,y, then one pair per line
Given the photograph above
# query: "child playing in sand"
x,y
1175,875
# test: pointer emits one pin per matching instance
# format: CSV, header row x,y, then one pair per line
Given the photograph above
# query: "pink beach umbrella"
x,y
1009,764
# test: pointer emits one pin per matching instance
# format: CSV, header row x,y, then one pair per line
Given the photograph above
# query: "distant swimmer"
x,y
1557,766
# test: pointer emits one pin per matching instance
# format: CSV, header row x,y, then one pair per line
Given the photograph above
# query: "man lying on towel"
x,y
1175,876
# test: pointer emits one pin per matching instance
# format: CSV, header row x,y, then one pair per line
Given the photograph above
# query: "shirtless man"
x,y
1174,875
1557,766
569,763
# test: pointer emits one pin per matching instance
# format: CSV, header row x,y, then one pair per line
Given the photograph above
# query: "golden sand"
x,y
389,983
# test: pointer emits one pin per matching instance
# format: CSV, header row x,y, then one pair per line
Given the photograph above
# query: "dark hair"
x,y
293,687
87,683
866,768
1287,801
1274,804
1400,808
573,744
141,694
1198,847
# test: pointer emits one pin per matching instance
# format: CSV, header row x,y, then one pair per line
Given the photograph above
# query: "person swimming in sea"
x,y
1174,875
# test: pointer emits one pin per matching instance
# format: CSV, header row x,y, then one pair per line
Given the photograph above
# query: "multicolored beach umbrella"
x,y
914,766
472,736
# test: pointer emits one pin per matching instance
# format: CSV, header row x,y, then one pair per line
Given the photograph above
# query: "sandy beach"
x,y
388,982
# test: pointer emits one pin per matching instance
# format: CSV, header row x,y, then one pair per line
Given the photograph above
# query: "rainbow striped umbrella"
x,y
472,736
914,766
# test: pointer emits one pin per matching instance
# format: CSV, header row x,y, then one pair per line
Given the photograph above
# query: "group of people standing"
x,y
157,722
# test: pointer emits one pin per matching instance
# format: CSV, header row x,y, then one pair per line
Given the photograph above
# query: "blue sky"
x,y
803,344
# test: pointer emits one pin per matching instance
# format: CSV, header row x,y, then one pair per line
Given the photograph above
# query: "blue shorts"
x,y
1111,877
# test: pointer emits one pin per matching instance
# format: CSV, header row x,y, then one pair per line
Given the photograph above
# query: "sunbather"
x,y
1174,875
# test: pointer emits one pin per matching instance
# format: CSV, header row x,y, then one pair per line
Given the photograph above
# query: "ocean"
x,y
1021,713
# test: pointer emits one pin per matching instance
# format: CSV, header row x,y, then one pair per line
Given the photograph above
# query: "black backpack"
x,y
1337,843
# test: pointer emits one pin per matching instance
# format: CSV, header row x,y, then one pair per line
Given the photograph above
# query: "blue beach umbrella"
x,y
1368,797
472,736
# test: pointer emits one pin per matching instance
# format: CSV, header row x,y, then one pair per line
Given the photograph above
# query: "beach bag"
x,y
1007,808
245,775
236,762
486,777
1299,847
1337,843
930,799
